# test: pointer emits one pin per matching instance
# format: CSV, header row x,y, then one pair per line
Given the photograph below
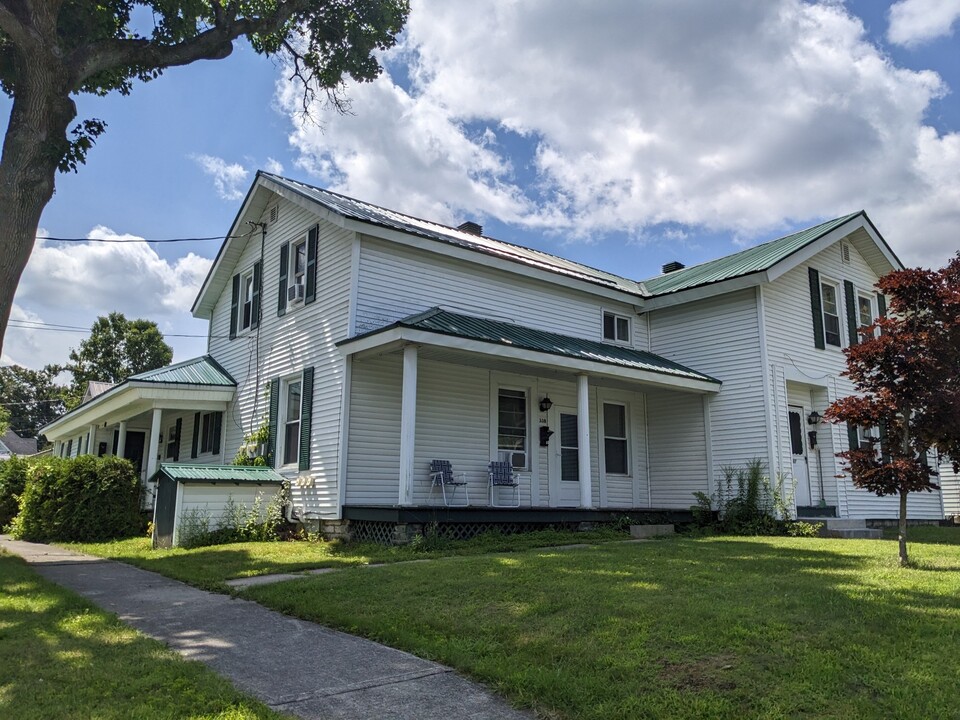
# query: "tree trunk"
x,y
902,529
34,144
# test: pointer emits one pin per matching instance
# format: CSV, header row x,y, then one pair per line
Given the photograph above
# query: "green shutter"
x,y
817,309
274,416
311,269
196,435
851,302
853,442
257,283
306,415
217,430
176,440
881,306
282,285
234,305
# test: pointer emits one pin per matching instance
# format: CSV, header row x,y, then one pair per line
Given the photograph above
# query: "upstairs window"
x,y
246,301
866,310
512,427
831,313
298,262
616,327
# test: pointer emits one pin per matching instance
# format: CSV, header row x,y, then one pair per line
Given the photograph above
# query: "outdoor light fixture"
x,y
814,418
546,403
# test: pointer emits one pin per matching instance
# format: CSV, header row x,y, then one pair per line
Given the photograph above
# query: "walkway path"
x,y
294,666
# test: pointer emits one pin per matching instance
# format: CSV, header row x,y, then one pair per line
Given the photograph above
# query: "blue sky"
x,y
623,135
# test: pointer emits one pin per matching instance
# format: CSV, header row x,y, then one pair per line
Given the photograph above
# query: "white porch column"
x,y
154,442
122,438
408,423
91,440
583,441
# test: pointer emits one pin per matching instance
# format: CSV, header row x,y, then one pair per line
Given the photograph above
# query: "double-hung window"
x,y
616,327
245,320
866,313
298,262
830,297
615,439
512,426
208,429
291,421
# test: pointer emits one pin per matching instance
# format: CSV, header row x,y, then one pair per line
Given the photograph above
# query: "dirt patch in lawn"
x,y
709,673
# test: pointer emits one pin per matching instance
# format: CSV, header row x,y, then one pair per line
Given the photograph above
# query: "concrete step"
x,y
844,524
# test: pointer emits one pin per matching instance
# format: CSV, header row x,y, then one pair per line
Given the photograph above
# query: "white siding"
x,y
720,337
373,455
678,449
396,282
304,337
949,482
212,500
792,353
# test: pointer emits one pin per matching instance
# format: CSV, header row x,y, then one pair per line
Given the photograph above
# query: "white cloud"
x,y
737,116
273,166
72,284
913,22
230,179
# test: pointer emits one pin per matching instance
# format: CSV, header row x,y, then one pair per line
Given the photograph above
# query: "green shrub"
x,y
13,478
746,503
85,499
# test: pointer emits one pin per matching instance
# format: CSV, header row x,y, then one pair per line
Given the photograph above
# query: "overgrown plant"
x,y
253,451
237,522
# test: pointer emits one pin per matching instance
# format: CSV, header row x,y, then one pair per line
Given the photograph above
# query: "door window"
x,y
569,448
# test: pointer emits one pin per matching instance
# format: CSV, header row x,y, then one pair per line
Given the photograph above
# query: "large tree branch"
x,y
15,23
213,44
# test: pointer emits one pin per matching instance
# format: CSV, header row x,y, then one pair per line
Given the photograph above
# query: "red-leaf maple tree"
x,y
906,370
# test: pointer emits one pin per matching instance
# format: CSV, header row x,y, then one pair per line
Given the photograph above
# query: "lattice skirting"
x,y
386,533
376,531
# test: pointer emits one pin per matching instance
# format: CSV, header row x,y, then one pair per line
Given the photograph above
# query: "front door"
x,y
565,460
798,450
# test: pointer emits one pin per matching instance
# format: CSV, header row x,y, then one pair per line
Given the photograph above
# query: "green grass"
x,y
927,534
712,627
209,567
62,658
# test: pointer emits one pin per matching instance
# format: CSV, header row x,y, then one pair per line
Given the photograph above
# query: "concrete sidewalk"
x,y
294,666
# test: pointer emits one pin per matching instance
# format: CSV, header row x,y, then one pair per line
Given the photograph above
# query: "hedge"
x,y
13,478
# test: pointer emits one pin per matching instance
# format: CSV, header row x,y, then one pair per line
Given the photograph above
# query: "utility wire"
x,y
141,240
52,327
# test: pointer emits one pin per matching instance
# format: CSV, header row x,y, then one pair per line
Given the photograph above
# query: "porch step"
x,y
850,529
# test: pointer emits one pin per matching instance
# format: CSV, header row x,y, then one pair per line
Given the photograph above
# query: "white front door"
x,y
798,450
564,459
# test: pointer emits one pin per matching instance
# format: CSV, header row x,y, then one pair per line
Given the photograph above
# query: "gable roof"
x,y
94,388
498,332
17,445
746,262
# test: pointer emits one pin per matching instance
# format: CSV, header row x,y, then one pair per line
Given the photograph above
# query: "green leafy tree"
x,y
53,50
116,349
908,377
32,397
4,420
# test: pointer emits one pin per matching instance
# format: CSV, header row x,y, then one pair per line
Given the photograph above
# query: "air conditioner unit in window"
x,y
295,292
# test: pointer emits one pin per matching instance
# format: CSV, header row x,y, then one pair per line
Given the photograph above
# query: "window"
x,y
831,313
616,327
208,439
70,448
298,262
173,441
291,421
245,317
512,426
615,439
865,310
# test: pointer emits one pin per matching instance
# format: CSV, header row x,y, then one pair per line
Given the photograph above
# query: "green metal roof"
x,y
219,473
198,371
745,262
504,333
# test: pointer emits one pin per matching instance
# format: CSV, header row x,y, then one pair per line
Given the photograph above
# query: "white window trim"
x,y
282,422
616,315
838,290
495,387
602,435
291,270
244,276
171,431
874,310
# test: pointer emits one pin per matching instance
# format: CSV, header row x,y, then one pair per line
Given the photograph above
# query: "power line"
x,y
141,240
53,327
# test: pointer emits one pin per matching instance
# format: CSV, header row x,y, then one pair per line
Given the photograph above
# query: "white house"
x,y
369,343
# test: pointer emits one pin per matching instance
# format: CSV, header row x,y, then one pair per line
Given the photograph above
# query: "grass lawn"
x,y
713,627
63,658
209,567
927,534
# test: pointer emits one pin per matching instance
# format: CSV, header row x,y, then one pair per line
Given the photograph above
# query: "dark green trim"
x,y
196,435
234,306
306,416
881,306
816,306
310,294
274,416
217,431
432,513
282,285
178,426
257,286
853,441
850,299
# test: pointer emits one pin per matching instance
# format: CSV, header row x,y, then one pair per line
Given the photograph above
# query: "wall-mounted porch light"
x,y
814,418
546,403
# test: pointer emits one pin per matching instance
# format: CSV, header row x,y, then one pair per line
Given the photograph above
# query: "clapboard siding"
x,y
304,337
212,501
949,482
373,456
396,281
678,449
792,354
720,337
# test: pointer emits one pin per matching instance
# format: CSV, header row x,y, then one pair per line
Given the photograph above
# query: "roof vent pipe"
x,y
673,266
471,227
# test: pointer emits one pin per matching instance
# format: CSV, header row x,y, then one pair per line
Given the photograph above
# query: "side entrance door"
x,y
564,459
798,450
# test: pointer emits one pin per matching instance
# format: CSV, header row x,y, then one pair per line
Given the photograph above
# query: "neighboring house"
x,y
370,343
12,444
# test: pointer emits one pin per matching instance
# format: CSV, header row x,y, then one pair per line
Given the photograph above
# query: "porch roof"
x,y
235,474
199,383
510,339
